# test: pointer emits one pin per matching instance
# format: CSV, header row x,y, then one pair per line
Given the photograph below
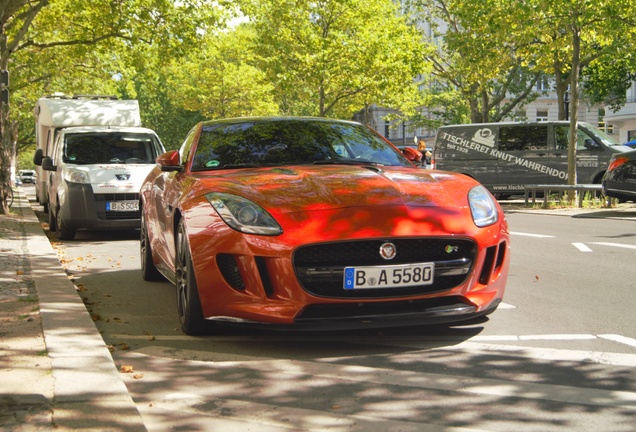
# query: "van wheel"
x,y
63,231
52,222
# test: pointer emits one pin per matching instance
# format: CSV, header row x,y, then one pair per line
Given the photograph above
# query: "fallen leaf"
x,y
127,369
138,376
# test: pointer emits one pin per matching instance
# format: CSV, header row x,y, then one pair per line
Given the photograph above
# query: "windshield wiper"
x,y
347,162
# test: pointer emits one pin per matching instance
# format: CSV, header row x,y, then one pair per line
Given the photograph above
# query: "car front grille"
x,y
102,199
320,268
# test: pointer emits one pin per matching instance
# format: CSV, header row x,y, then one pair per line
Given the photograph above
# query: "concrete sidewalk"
x,y
59,374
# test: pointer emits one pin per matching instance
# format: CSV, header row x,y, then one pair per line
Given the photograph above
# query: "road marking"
x,y
620,245
331,369
396,339
531,235
619,339
582,247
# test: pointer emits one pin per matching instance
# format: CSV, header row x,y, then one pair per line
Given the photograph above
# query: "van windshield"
x,y
102,148
600,135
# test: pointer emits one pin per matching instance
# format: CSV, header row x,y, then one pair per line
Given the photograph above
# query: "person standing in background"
x,y
426,154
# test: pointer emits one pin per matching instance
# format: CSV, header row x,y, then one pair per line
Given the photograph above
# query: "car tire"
x,y
149,271
52,221
63,231
188,302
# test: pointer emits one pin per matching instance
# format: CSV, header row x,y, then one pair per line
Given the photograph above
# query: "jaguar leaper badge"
x,y
388,251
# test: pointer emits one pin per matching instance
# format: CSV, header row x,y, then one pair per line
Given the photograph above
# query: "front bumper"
x,y
83,209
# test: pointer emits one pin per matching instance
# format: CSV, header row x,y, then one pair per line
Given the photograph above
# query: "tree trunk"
x,y
574,105
8,138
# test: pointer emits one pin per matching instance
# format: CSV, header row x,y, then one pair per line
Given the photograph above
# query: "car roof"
x,y
266,119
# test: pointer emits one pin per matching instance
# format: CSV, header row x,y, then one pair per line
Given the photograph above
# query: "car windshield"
x,y
110,147
290,141
600,135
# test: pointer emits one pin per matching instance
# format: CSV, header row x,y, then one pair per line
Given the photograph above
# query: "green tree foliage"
x,y
76,46
570,35
330,57
476,58
218,78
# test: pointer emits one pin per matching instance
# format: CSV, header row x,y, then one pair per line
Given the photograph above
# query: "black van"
x,y
506,156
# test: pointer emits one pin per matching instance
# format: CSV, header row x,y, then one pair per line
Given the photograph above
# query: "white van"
x,y
506,156
58,111
95,177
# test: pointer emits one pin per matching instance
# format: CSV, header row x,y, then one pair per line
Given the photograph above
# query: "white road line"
x,y
531,235
619,339
581,247
620,245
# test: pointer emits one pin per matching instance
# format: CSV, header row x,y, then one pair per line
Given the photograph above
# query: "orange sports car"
x,y
313,223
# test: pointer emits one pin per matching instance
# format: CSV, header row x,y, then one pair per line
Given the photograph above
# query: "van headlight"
x,y
483,206
73,175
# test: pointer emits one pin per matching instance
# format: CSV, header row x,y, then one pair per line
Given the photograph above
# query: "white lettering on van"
x,y
463,145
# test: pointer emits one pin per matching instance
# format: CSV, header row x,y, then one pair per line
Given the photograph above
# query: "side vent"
x,y
489,262
494,260
264,274
230,271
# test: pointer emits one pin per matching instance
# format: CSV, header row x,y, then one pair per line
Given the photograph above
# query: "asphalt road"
x,y
559,354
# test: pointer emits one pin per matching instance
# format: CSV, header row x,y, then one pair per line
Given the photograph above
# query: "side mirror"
x,y
38,156
590,144
412,154
47,164
169,161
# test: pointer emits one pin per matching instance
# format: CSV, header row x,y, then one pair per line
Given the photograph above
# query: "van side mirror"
x,y
38,156
590,144
47,164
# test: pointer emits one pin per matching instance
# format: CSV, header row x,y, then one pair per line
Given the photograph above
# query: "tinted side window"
x,y
519,138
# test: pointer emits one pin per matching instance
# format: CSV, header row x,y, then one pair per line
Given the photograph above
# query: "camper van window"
x,y
514,138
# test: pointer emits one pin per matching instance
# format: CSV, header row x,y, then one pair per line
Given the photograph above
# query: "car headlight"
x,y
482,206
243,215
75,176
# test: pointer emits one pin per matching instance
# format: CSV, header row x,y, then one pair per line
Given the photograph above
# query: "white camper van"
x,y
93,156
58,111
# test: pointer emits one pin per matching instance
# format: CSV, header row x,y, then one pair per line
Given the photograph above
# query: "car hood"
x,y
115,178
321,187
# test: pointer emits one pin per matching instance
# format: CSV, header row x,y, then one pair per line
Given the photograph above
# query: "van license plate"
x,y
397,276
122,205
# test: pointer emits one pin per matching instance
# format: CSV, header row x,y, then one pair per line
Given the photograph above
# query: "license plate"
x,y
131,205
395,276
